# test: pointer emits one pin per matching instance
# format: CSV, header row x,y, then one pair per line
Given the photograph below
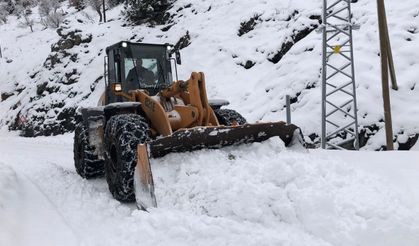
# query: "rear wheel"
x,y
122,135
87,163
229,117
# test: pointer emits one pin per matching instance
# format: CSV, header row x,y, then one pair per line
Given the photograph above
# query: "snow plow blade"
x,y
200,138
221,136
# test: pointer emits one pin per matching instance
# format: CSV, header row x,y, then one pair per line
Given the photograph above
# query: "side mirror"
x,y
178,58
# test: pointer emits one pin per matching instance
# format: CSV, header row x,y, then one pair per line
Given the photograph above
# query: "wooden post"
x,y
384,73
394,85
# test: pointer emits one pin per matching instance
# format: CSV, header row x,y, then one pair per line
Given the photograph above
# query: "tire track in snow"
x,y
40,216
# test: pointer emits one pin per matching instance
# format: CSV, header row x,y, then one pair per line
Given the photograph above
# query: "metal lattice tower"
x,y
339,105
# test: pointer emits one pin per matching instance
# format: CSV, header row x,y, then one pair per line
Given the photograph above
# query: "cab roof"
x,y
119,44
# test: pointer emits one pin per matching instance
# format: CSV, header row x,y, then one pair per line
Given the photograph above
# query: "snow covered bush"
x,y
78,4
26,19
48,6
113,3
50,15
3,13
9,6
153,12
55,19
26,3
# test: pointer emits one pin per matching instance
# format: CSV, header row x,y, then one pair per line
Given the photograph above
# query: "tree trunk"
x,y
100,15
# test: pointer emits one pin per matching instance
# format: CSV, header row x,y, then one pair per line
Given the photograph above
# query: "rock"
x,y
249,25
299,35
183,42
6,95
41,88
248,65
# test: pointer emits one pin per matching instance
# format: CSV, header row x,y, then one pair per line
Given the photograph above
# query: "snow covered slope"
x,y
248,50
258,194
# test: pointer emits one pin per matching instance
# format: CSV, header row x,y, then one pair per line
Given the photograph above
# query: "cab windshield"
x,y
146,67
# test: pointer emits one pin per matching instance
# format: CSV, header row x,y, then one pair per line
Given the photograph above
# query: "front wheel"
x,y
122,135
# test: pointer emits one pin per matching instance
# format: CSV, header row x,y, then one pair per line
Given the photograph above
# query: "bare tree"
x,y
55,19
50,16
44,7
27,21
48,6
97,6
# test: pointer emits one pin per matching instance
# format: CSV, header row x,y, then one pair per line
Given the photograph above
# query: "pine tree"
x,y
153,12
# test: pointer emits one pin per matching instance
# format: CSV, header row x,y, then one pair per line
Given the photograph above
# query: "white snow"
x,y
258,194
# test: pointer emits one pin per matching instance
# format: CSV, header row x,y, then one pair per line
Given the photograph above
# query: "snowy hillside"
x,y
253,53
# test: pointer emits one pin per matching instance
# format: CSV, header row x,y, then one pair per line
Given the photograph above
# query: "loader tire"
x,y
122,135
87,163
227,117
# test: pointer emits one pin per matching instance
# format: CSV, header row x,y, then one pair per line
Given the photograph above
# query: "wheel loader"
x,y
144,113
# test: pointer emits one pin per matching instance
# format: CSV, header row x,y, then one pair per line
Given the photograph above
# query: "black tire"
x,y
122,135
227,117
87,163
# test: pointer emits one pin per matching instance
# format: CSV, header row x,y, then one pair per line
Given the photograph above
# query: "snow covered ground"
x,y
258,194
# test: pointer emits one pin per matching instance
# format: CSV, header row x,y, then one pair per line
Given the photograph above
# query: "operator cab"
x,y
134,66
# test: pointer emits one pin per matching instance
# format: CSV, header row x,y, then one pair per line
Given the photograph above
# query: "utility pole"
x,y
339,104
386,60
394,85
104,11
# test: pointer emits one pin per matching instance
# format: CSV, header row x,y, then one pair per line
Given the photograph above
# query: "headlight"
x,y
117,87
169,48
124,44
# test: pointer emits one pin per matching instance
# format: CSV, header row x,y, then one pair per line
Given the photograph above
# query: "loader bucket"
x,y
199,138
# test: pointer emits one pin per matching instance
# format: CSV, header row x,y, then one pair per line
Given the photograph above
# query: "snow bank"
x,y
8,197
257,194
266,185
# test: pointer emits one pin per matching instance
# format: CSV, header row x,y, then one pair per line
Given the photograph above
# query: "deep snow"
x,y
258,194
